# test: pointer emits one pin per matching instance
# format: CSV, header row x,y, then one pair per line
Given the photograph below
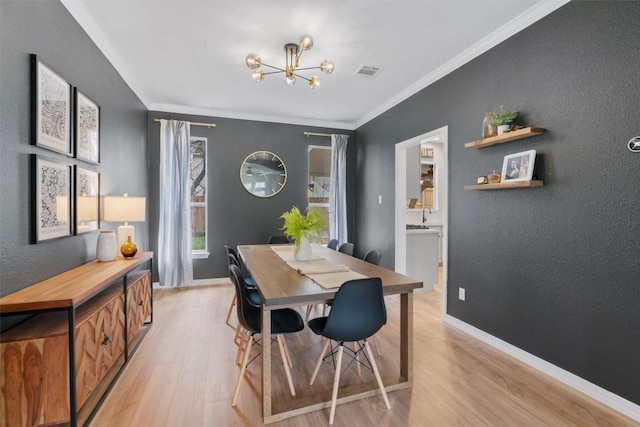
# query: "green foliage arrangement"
x,y
297,225
503,117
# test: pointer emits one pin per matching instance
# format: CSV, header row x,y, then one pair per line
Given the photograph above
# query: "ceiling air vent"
x,y
368,71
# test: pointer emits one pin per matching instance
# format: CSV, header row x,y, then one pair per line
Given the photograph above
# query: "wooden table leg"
x,y
266,364
406,336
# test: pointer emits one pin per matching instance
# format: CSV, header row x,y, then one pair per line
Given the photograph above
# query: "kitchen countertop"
x,y
422,231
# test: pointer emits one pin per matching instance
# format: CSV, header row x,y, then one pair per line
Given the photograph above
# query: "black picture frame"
x,y
87,200
51,199
51,104
86,128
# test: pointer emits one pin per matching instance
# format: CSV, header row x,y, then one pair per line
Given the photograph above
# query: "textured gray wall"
x,y
234,216
554,270
46,29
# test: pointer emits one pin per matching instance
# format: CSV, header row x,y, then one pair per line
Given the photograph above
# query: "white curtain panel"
x,y
338,189
174,232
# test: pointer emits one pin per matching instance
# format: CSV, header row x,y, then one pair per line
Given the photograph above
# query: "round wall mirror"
x,y
263,174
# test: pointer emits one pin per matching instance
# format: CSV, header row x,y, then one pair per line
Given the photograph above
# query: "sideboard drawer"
x,y
138,301
99,343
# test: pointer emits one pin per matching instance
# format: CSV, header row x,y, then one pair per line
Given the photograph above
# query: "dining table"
x,y
282,286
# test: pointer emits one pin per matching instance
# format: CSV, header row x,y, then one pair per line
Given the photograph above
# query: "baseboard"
x,y
200,282
603,396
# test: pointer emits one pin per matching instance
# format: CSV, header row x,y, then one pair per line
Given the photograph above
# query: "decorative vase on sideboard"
x,y
128,248
107,248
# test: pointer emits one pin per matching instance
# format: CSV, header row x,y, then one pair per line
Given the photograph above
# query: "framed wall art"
x,y
51,199
51,108
87,191
87,128
518,166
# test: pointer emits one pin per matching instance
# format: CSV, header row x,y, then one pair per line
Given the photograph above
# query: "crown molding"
x,y
185,109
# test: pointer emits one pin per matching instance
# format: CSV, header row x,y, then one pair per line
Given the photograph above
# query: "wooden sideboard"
x,y
86,312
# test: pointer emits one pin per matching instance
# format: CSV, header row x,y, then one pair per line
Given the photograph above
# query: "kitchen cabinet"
x,y
422,257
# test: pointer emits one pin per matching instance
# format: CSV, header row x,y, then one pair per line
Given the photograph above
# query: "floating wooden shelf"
x,y
505,137
506,185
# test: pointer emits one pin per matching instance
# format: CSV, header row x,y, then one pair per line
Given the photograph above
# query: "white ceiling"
x,y
187,56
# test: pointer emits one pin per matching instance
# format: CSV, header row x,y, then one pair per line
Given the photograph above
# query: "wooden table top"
x,y
282,286
72,287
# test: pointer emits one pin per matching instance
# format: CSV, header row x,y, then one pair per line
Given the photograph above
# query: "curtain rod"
x,y
308,134
208,125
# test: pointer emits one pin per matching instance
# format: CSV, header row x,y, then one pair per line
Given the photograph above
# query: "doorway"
x,y
437,213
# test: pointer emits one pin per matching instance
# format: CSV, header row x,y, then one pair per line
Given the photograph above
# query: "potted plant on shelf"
x,y
301,227
503,119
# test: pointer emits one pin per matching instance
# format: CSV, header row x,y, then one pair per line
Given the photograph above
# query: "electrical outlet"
x,y
461,294
380,199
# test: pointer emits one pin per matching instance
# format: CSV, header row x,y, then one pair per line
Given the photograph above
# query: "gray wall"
x,y
46,29
553,270
234,216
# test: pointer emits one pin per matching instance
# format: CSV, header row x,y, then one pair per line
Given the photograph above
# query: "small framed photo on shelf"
x,y
87,128
87,190
51,199
518,166
51,109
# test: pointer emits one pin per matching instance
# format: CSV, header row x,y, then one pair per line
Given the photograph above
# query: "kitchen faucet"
x,y
424,218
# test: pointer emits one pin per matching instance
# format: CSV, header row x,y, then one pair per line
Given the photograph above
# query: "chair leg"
x,y
377,374
286,352
237,337
336,381
286,365
243,368
355,349
325,346
309,309
375,341
242,345
233,304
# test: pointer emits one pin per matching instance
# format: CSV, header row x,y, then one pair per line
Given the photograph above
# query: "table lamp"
x,y
124,209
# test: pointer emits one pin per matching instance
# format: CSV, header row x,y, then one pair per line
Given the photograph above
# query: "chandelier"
x,y
293,52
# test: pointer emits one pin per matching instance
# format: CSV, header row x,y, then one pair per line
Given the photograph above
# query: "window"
x,y
319,184
198,185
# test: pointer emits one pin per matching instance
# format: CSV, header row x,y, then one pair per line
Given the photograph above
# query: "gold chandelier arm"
x,y
302,77
275,68
308,68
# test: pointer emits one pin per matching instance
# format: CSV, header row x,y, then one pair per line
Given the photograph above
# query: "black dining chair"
x,y
278,239
333,244
234,258
346,248
358,312
283,321
373,256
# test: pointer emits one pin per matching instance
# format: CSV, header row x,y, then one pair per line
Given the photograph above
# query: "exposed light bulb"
x,y
290,80
326,66
253,61
306,42
314,82
257,74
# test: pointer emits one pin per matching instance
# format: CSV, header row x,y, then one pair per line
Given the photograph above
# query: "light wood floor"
x,y
184,374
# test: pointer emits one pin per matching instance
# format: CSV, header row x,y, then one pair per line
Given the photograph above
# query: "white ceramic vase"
x,y
303,250
107,248
503,128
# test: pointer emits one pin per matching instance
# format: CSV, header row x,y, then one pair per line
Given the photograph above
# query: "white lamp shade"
x,y
124,209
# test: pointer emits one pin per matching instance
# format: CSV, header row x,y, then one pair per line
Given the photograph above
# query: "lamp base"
x,y
124,231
